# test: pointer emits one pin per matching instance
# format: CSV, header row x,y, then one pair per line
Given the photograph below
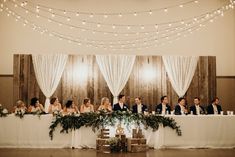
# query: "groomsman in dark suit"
x,y
120,106
163,107
197,109
180,107
214,108
138,107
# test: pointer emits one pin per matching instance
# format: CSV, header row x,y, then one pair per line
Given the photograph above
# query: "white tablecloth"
x,y
197,132
203,131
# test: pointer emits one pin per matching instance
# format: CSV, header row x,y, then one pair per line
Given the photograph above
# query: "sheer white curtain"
x,y
116,70
180,70
48,70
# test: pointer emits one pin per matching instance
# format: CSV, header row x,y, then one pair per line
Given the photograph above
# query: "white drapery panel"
x,y
116,70
48,70
180,70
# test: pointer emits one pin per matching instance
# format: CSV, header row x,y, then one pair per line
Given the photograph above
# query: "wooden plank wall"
x,y
82,78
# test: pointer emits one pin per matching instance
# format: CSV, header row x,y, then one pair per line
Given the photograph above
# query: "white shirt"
x,y
121,105
139,108
197,109
182,109
163,108
215,109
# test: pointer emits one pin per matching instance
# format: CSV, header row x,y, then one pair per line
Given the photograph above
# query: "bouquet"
x,y
115,145
19,112
3,111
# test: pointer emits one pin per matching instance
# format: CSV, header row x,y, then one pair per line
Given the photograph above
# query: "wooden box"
x,y
136,145
102,145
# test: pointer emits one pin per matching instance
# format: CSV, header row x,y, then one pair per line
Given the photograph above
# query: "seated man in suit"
x,y
138,107
120,106
163,107
197,109
214,108
180,107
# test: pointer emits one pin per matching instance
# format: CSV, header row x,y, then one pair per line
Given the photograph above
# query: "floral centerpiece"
x,y
115,144
3,111
19,112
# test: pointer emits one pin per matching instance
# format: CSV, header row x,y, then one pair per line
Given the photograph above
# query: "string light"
x,y
213,14
189,2
122,25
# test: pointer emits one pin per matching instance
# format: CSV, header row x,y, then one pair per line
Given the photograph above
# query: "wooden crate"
x,y
102,145
136,145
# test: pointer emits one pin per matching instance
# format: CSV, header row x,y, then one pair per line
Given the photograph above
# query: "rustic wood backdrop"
x,y
82,78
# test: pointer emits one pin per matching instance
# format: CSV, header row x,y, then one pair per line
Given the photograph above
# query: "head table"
x,y
202,131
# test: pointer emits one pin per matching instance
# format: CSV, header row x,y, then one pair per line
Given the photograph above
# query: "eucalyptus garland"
x,y
97,120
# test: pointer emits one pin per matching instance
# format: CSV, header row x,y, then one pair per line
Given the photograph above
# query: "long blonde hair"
x,y
103,100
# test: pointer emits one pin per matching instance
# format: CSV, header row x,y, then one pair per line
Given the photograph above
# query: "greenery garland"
x,y
98,120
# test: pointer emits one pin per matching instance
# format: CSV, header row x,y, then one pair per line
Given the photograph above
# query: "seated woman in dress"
x,y
87,106
20,106
35,106
75,107
105,105
54,105
69,109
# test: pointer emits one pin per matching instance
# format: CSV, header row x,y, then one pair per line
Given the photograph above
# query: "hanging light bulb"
x,y
83,22
26,11
150,12
165,10
113,26
128,27
105,16
135,14
50,10
142,27
156,26
181,5
77,14
120,15
195,1
98,25
68,19
91,15
52,15
64,12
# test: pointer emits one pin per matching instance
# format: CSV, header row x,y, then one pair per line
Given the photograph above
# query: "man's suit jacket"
x,y
210,109
134,108
177,109
158,108
116,107
193,108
